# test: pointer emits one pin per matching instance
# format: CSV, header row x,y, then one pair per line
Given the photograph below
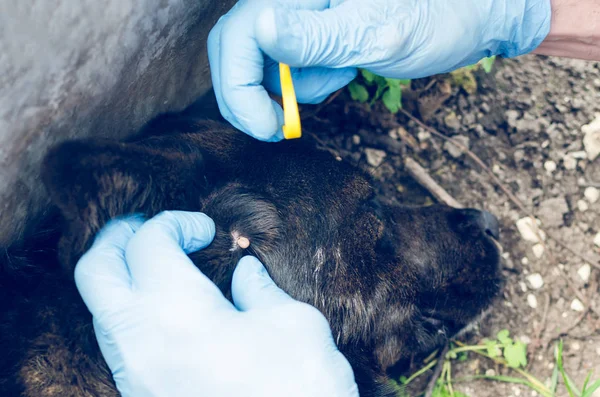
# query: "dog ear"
x,y
92,182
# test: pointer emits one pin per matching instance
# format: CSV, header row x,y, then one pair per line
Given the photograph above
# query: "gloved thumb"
x,y
307,38
253,288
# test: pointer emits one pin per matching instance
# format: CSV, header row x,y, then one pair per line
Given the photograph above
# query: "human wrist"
x,y
525,25
575,30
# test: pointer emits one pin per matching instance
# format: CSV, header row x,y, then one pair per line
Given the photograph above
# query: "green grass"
x,y
505,352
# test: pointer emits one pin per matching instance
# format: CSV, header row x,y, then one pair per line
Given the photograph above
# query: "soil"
x,y
525,122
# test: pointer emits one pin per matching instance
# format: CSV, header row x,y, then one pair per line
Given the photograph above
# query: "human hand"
x,y
166,330
326,40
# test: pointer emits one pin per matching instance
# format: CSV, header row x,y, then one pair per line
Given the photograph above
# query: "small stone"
x,y
452,121
569,162
577,306
523,286
454,150
423,135
490,372
356,139
374,156
584,272
535,280
551,211
528,230
525,260
532,301
591,194
576,346
597,239
579,155
591,139
525,339
582,205
511,117
538,250
550,166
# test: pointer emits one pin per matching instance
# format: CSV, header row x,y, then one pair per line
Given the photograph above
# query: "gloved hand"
x,y
166,330
326,40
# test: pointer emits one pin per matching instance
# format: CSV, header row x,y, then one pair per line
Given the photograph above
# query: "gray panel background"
x,y
77,68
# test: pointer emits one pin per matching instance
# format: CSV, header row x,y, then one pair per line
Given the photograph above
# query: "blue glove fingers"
x,y
312,85
253,288
272,121
101,275
156,255
332,38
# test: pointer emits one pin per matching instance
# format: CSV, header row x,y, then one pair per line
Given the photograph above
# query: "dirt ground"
x,y
525,122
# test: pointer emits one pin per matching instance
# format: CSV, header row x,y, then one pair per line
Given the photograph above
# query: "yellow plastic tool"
x,y
291,115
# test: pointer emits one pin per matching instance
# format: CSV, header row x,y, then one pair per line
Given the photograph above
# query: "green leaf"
x,y
368,76
397,82
587,380
392,98
504,336
516,354
392,82
589,391
463,356
358,92
492,348
554,380
569,385
488,63
440,390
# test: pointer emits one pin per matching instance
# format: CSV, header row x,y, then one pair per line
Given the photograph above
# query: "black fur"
x,y
393,281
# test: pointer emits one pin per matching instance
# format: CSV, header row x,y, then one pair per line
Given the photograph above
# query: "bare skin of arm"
x,y
575,30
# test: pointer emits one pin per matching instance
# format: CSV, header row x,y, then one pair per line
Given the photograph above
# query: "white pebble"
x,y
525,260
584,272
525,339
591,194
580,155
375,156
535,280
597,239
523,286
598,351
529,231
569,162
550,166
576,346
532,301
538,250
490,372
582,205
577,306
591,139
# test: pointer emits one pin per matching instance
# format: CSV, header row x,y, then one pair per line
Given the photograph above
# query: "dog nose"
x,y
486,221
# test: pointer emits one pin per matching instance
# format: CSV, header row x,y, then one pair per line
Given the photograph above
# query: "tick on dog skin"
x,y
243,242
239,241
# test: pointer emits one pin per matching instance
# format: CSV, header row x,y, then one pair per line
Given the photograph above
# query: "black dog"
x,y
393,281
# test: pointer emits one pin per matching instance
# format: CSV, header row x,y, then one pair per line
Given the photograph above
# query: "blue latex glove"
x,y
166,330
326,40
